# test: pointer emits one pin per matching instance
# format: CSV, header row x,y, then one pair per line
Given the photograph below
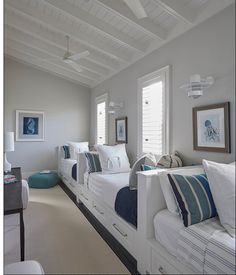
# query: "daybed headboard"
x,y
150,201
150,197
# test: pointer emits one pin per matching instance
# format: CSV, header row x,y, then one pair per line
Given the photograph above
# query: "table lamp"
x,y
8,147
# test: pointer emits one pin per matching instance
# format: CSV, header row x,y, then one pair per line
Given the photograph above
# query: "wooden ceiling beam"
x,y
97,24
33,29
37,53
177,10
53,50
56,24
144,24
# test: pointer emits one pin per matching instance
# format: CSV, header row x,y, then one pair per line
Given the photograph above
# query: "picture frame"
x,y
121,126
29,125
211,128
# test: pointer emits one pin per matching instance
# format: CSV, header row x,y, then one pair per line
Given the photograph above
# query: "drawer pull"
x,y
99,211
84,196
161,269
118,229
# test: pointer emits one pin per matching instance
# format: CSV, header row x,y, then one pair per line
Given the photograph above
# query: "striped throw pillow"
x,y
193,197
94,164
66,149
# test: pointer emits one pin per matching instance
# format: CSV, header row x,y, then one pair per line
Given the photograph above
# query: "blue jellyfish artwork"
x,y
212,134
30,125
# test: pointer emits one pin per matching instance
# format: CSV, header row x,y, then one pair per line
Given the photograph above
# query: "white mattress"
x,y
106,186
66,166
167,228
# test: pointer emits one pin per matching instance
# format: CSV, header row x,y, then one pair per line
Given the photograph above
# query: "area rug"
x,y
59,237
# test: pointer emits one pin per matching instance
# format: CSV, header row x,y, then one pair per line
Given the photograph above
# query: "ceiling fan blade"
x,y
78,56
136,7
73,64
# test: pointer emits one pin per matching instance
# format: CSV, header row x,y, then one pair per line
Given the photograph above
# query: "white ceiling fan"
x,y
71,59
137,8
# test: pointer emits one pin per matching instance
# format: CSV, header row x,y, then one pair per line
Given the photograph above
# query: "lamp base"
x,y
7,165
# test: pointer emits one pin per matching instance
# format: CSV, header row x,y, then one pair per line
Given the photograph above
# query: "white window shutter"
x,y
101,123
153,113
152,118
101,119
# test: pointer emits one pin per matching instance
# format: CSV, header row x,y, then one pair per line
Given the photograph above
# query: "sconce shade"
x,y
114,107
9,142
197,85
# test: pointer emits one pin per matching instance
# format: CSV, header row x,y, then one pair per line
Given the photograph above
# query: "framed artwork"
x,y
121,130
29,125
211,128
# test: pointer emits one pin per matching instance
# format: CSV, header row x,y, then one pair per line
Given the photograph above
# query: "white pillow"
x,y
113,158
77,147
167,189
221,179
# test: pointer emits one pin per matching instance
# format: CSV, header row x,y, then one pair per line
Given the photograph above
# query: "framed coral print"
x,y
121,130
211,128
29,125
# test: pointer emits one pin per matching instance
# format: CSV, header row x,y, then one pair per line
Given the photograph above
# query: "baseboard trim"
x,y
126,258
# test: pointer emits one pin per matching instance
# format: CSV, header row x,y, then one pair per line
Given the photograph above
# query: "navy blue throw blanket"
x,y
74,172
126,205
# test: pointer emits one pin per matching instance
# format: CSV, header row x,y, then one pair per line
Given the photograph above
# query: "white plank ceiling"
x,y
35,32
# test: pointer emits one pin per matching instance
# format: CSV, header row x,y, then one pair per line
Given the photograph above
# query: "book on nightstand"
x,y
45,172
9,179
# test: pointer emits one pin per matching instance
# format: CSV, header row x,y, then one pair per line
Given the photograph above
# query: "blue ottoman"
x,y
42,181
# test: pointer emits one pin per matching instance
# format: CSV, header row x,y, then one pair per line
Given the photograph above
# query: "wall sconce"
x,y
197,85
114,107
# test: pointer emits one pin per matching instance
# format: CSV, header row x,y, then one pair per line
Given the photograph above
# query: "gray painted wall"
x,y
207,49
66,106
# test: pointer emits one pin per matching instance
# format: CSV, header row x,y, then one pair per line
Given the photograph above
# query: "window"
x,y
153,113
101,119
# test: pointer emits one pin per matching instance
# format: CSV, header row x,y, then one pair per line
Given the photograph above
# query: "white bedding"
x,y
93,183
205,246
106,186
66,166
167,228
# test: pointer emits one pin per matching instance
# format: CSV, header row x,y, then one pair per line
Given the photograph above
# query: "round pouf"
x,y
42,181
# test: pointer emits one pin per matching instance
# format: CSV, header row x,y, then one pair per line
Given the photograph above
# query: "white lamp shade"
x,y
9,142
195,78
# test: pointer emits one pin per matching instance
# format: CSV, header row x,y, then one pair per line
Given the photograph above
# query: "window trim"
x,y
100,99
149,79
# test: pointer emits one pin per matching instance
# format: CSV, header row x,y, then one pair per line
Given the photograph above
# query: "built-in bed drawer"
x,y
121,232
84,197
161,266
99,211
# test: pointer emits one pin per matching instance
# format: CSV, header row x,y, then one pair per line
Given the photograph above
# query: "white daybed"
x,y
153,242
98,194
65,167
170,248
